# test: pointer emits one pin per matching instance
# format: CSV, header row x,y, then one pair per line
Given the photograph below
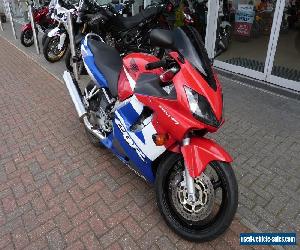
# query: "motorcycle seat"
x,y
108,61
132,21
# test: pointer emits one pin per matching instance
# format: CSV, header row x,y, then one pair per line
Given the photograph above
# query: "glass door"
x,y
242,45
263,39
284,61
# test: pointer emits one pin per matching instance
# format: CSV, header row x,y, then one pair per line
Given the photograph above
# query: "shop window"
x,y
287,57
243,32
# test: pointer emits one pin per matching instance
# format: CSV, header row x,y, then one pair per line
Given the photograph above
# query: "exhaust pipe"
x,y
81,111
95,132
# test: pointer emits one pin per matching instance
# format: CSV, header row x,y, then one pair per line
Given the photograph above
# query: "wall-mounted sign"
x,y
243,22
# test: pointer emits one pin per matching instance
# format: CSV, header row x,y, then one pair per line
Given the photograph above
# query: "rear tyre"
x,y
69,63
27,37
211,216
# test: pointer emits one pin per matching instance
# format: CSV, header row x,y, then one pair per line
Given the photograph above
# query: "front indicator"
x,y
160,139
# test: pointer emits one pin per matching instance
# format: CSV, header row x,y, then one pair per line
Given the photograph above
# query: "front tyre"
x,y
51,51
216,199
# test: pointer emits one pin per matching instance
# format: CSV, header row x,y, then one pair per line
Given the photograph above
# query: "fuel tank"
x,y
133,66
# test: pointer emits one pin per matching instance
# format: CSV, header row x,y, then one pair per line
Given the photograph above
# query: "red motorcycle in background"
x,y
43,21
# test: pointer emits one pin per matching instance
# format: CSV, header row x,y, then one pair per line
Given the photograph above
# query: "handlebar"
x,y
156,65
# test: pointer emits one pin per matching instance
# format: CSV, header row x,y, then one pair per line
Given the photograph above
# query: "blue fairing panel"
x,y
139,161
125,117
92,69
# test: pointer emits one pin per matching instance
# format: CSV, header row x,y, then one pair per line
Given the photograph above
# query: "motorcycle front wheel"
x,y
51,52
27,37
212,212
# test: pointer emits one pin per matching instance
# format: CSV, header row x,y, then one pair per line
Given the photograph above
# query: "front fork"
x,y
62,39
189,181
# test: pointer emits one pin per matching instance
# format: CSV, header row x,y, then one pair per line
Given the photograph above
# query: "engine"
x,y
96,102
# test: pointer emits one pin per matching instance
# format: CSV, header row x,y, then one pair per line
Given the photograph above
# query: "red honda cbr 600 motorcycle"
x,y
43,21
153,115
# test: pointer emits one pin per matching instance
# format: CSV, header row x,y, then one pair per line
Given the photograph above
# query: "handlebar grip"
x,y
155,65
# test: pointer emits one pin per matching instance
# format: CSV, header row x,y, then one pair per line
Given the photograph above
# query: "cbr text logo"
x,y
129,140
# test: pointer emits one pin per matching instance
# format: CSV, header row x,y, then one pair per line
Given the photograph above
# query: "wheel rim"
x,y
210,198
53,51
204,193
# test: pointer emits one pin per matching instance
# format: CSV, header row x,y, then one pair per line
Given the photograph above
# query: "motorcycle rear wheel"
x,y
214,219
27,37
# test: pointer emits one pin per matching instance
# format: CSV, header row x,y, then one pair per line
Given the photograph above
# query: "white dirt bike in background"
x,y
56,41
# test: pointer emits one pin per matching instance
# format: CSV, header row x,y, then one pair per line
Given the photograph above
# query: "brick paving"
x,y
262,132
56,190
54,68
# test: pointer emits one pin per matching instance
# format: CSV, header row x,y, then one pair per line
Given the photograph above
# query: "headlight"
x,y
200,108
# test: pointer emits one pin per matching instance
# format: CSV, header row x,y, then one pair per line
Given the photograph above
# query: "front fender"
x,y
26,26
200,152
54,32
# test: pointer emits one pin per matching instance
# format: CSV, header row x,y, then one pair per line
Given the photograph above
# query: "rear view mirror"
x,y
162,38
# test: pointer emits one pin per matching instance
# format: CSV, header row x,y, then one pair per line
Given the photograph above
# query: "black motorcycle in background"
x,y
224,28
126,34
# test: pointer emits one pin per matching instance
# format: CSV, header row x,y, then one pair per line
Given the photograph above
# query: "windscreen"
x,y
189,43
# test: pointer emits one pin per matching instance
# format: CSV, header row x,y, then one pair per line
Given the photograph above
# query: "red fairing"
x,y
133,67
124,88
172,116
38,16
26,26
200,152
